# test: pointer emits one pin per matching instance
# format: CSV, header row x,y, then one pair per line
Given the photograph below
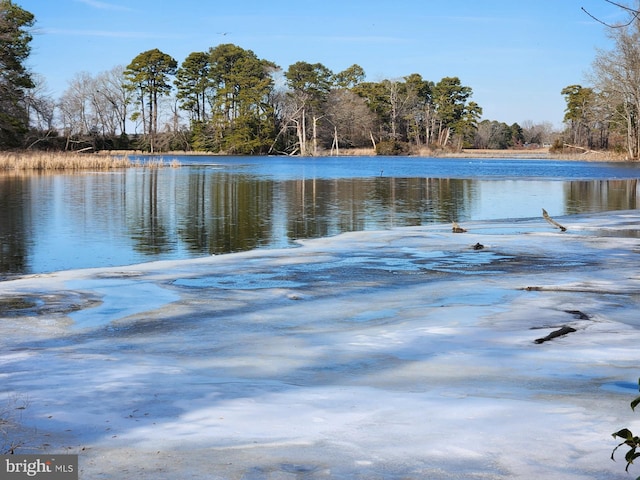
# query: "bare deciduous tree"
x,y
95,106
114,99
76,108
351,119
616,75
634,15
539,133
39,104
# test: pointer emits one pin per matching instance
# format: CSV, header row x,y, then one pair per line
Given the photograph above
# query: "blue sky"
x,y
516,55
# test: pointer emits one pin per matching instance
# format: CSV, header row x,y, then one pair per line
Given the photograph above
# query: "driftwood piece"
x,y
581,289
584,150
564,330
555,334
457,228
546,216
578,314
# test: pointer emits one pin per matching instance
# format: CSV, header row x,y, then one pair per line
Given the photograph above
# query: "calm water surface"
x,y
214,205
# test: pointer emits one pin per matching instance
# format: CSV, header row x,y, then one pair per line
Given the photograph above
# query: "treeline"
x,y
227,100
491,134
224,100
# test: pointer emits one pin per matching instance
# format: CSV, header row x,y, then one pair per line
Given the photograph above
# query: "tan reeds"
x,y
592,156
534,154
21,161
155,163
355,152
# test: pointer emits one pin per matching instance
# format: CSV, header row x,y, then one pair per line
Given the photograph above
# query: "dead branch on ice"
x,y
630,290
546,216
555,334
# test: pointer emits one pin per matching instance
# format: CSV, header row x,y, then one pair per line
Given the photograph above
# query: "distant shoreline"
x,y
528,154
108,159
539,154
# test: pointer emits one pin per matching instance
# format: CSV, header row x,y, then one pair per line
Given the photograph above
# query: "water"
x,y
215,205
292,168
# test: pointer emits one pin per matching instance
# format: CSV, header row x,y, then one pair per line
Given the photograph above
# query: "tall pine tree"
x,y
14,76
148,74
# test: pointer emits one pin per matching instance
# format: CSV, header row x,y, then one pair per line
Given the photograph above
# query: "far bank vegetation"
x,y
227,100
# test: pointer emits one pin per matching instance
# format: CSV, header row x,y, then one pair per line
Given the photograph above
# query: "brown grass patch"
x,y
538,153
532,154
356,152
21,161
592,156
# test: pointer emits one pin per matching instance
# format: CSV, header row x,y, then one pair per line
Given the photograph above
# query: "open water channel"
x,y
214,205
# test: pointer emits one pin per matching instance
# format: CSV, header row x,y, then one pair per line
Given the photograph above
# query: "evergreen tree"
x,y
451,108
193,83
349,77
15,79
375,96
243,117
149,73
581,103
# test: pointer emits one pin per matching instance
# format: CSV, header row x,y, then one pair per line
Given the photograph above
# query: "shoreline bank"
x,y
530,154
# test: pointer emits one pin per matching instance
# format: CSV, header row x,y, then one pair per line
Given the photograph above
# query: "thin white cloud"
x,y
104,33
365,39
104,5
334,38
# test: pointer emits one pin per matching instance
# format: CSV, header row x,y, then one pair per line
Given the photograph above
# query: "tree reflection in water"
x,y
54,222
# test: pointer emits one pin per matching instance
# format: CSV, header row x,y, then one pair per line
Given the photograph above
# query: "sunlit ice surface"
x,y
408,353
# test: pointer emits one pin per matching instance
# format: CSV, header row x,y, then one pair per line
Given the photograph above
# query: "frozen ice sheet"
x,y
395,354
119,298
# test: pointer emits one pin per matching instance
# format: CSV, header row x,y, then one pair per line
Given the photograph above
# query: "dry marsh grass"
x,y
533,154
24,161
355,152
592,156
